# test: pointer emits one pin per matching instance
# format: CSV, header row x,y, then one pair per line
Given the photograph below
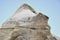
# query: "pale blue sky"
x,y
51,8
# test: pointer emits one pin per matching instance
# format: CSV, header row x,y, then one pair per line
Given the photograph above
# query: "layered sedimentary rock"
x,y
26,24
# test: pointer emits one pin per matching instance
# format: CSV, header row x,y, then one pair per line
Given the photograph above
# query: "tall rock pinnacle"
x,y
26,24
22,14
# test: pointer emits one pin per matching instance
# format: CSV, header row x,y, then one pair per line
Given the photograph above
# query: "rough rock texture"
x,y
26,24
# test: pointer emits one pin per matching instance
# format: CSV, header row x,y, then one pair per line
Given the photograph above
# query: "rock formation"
x,y
26,24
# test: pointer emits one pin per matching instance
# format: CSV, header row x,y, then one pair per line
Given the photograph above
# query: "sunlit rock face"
x,y
26,24
23,14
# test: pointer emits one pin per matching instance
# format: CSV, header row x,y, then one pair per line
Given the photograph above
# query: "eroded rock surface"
x,y
26,24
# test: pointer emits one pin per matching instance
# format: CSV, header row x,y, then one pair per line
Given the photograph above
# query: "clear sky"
x,y
51,8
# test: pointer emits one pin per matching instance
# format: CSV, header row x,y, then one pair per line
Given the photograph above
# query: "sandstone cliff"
x,y
26,24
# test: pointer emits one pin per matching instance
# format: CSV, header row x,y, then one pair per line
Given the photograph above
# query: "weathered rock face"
x,y
26,24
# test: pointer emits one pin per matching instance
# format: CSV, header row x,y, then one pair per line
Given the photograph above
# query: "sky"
x,y
51,8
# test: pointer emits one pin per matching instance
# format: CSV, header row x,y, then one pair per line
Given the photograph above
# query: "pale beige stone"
x,y
26,24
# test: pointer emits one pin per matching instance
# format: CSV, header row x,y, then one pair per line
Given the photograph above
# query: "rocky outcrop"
x,y
26,24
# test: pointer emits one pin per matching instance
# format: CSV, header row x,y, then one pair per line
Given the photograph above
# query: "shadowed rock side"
x,y
26,24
